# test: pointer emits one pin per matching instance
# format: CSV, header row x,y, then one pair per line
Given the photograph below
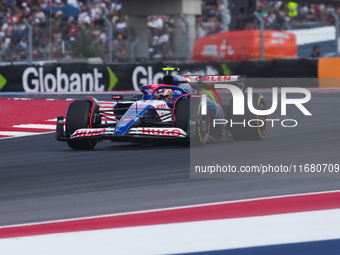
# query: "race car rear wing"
x,y
217,79
213,79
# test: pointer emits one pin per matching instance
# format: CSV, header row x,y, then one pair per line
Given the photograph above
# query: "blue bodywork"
x,y
139,108
129,118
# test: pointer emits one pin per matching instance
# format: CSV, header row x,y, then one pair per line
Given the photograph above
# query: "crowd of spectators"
x,y
160,36
277,15
61,29
280,15
211,20
76,28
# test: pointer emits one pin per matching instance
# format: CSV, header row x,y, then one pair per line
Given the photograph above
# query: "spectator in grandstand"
x,y
292,9
211,18
120,48
316,52
160,33
200,30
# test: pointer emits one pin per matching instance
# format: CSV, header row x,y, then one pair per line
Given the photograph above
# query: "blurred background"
x,y
148,30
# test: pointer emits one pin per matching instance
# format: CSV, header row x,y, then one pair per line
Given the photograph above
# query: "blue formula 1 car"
x,y
174,110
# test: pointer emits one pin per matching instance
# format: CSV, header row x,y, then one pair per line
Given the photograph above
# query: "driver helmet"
x,y
164,94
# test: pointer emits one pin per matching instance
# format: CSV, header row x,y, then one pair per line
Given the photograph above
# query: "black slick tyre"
x,y
254,126
188,117
78,116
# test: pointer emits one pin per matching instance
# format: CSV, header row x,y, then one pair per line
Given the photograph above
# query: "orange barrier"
x,y
328,72
244,45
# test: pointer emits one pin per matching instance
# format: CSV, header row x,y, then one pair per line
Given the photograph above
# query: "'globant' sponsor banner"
x,y
83,77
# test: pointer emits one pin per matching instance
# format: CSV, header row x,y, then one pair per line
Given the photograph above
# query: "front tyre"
x,y
253,126
78,116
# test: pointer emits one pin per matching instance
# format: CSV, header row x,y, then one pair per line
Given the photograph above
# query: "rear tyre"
x,y
78,116
216,133
255,125
188,117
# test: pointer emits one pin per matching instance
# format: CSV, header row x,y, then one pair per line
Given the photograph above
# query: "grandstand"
x,y
69,29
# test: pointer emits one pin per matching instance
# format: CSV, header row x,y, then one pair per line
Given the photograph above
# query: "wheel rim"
x,y
205,127
263,118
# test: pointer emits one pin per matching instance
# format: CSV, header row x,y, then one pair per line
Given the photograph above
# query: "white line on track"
x,y
13,134
172,208
36,126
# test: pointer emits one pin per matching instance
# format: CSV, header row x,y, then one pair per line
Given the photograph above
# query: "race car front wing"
x,y
109,133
